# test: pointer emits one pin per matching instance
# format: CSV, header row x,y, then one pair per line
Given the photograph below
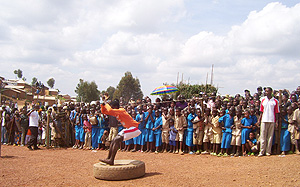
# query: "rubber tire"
x,y
122,170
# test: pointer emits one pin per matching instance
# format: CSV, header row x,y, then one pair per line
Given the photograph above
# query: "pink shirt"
x,y
88,125
269,107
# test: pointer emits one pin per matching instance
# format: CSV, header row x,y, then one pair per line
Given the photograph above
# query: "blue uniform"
x,y
285,136
149,135
138,140
81,130
245,131
103,126
190,130
95,135
157,132
226,138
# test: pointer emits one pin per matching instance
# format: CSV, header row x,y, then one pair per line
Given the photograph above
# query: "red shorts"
x,y
129,133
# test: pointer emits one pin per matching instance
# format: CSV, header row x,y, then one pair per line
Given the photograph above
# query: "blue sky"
x,y
250,43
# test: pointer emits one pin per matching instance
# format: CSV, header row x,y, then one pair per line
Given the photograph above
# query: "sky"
x,y
251,43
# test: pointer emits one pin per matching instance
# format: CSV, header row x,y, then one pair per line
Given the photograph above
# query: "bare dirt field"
x,y
68,167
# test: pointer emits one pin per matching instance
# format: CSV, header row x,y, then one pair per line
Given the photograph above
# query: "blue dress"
x,y
137,140
190,130
245,131
285,136
226,138
157,132
149,135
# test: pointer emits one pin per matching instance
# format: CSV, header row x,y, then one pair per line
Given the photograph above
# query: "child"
x,y
251,144
157,130
173,134
104,140
165,128
217,132
198,131
227,120
294,129
247,124
189,136
236,133
180,123
285,137
150,118
88,133
208,134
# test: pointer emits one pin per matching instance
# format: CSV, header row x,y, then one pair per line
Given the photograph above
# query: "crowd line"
x,y
212,124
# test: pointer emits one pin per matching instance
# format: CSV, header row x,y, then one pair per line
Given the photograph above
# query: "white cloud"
x,y
101,40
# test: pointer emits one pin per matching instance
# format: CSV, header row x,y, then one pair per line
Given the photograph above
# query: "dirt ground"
x,y
68,167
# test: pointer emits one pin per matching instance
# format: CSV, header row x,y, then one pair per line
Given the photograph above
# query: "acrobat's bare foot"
x,y
107,161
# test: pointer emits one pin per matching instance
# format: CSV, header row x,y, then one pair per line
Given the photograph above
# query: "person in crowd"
x,y
157,129
198,126
268,119
236,140
247,123
228,123
294,129
179,123
33,126
173,134
251,144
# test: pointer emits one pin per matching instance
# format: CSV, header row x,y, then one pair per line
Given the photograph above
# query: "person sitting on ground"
x,y
251,144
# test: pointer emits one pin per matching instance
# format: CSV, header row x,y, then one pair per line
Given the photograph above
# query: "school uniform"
x,y
149,135
208,134
157,132
285,136
237,132
190,130
245,131
173,135
180,122
137,140
198,132
165,128
216,130
226,137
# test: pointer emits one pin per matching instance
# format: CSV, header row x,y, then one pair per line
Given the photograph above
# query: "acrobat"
x,y
130,131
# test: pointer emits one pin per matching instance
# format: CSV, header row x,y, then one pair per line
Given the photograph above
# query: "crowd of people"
x,y
237,125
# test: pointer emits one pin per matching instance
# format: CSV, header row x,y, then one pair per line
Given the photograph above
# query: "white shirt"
x,y
3,118
269,107
34,119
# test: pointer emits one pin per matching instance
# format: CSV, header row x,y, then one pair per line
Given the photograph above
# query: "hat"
x,y
246,91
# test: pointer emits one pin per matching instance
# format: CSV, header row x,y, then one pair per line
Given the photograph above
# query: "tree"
x,y
86,91
34,81
51,82
188,91
111,90
128,87
19,73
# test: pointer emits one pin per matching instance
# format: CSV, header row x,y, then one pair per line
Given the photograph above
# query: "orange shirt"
x,y
122,116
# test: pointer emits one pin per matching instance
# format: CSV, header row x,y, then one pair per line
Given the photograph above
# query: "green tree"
x,y
128,87
111,90
34,81
87,91
51,82
188,91
19,73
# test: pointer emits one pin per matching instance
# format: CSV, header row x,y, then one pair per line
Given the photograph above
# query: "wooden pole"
x,y
48,130
279,125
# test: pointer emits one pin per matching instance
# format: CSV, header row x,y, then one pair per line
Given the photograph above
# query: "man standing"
x,y
33,126
268,119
